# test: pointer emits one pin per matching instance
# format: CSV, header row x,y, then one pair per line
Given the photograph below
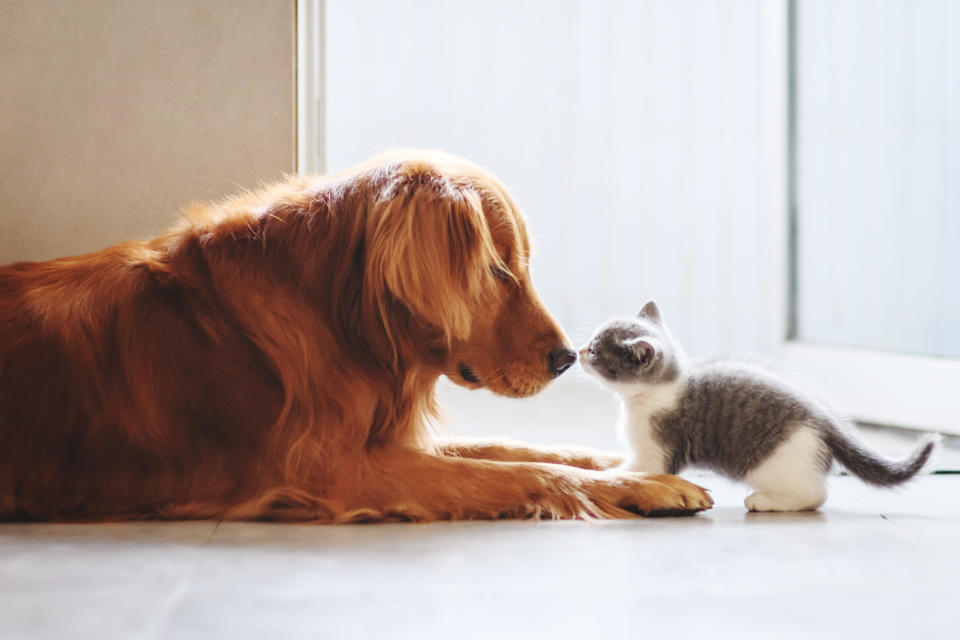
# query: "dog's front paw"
x,y
649,495
686,497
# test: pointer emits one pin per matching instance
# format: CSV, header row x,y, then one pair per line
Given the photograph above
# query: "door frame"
x,y
311,86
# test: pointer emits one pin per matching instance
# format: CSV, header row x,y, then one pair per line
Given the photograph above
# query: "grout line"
x,y
178,593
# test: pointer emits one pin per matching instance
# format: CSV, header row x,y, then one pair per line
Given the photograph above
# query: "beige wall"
x,y
114,114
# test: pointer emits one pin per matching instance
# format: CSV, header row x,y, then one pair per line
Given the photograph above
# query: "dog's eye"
x,y
500,273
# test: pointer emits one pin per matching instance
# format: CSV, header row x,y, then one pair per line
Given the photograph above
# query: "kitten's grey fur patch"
x,y
726,415
730,419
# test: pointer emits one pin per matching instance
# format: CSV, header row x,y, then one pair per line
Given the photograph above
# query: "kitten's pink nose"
x,y
583,352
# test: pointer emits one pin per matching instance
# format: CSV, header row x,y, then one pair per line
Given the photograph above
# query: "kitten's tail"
x,y
874,469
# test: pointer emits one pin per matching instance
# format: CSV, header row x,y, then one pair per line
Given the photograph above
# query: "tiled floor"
x,y
871,564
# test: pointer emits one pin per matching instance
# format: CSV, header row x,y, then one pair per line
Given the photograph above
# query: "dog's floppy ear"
x,y
430,246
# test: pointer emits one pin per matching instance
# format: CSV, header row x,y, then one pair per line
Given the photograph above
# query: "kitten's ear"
x,y
650,312
643,349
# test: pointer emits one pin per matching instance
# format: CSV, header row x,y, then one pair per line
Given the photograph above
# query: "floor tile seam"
x,y
179,592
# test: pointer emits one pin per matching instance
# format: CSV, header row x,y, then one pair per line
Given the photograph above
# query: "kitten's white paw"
x,y
758,502
762,502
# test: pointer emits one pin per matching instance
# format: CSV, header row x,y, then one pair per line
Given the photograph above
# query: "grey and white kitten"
x,y
740,419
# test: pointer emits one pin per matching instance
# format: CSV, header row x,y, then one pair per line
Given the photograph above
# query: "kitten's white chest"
x,y
636,428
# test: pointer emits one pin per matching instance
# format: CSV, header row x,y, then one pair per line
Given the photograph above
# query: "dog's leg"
x,y
507,450
412,485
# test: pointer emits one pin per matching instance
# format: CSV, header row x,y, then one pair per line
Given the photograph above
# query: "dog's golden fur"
x,y
275,356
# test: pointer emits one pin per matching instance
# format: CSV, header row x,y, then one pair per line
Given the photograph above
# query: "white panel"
x,y
632,132
879,160
885,388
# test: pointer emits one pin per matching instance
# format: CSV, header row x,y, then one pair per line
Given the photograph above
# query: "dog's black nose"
x,y
561,359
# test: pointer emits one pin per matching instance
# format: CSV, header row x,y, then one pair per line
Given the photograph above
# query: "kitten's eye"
x,y
500,273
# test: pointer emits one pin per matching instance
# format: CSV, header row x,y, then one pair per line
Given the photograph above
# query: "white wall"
x,y
633,133
114,115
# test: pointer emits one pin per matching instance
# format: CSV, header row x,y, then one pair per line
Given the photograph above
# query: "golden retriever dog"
x,y
275,355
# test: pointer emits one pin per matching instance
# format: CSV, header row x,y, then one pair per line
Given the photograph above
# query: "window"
x,y
660,149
